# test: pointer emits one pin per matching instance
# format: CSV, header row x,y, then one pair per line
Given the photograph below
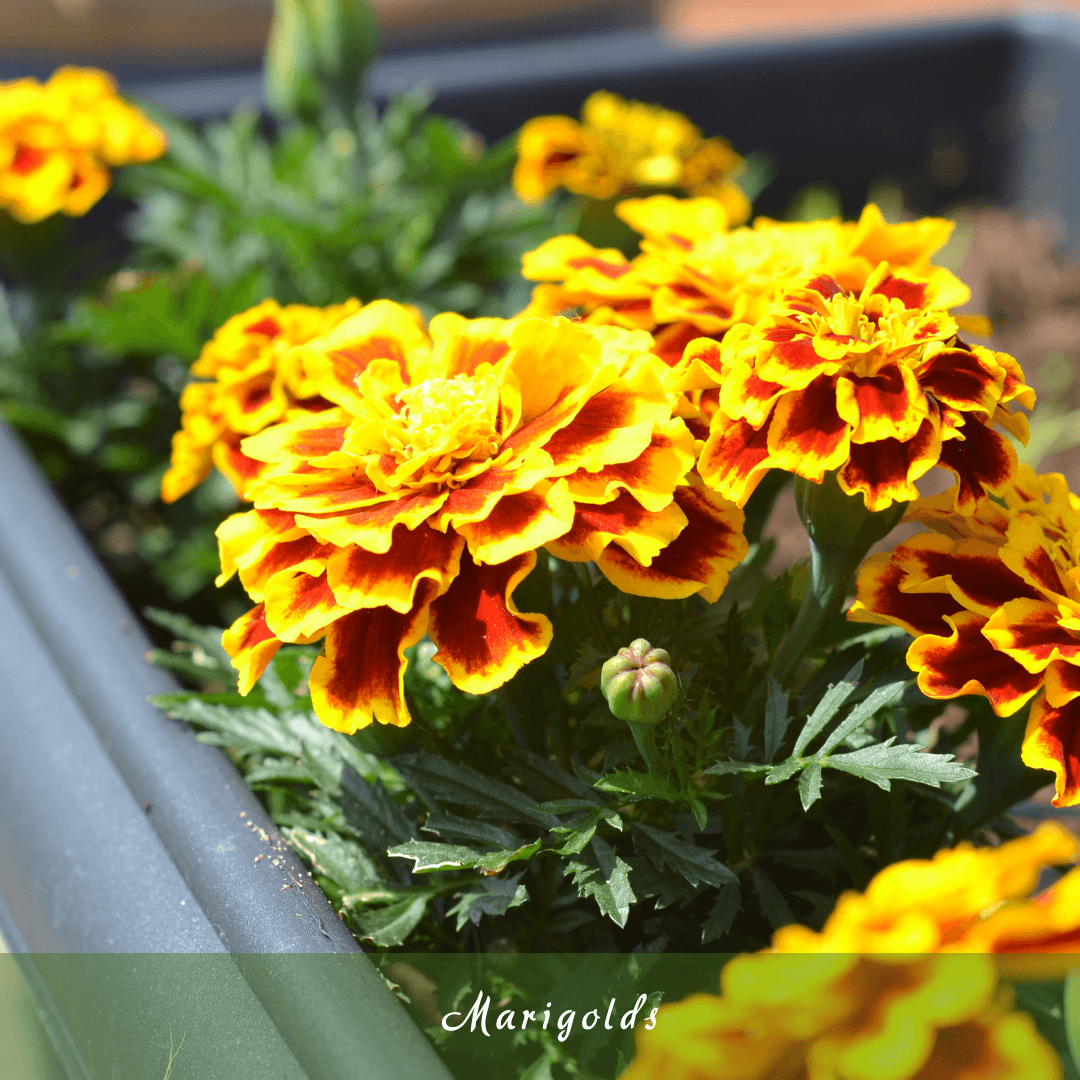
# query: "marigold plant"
x,y
256,380
992,600
621,145
59,139
871,996
875,385
417,503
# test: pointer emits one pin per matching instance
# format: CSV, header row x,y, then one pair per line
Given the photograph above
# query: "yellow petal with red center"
x,y
885,471
1016,424
982,460
888,405
521,522
966,663
361,677
909,243
382,330
969,381
711,315
304,554
299,606
1052,741
1026,556
700,367
459,346
651,477
642,533
743,395
252,645
240,470
243,539
614,425
880,598
257,403
365,579
1062,683
1015,387
788,357
582,267
302,439
807,436
371,527
699,560
189,466
735,458
677,221
547,146
477,497
1031,633
306,489
483,639
971,571
671,341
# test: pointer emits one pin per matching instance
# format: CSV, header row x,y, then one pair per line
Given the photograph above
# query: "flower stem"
x,y
645,737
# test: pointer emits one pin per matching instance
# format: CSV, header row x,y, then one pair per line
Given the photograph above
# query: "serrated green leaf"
x,y
776,718
482,833
495,861
643,785
695,864
773,905
827,708
723,768
584,672
207,638
884,762
862,712
249,730
722,914
491,896
578,833
428,856
342,861
604,876
810,785
463,786
784,771
391,925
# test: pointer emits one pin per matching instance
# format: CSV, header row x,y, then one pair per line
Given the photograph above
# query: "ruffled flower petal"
x,y
300,606
252,645
1030,631
1052,741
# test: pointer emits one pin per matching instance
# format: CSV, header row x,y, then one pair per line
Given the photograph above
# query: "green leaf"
x,y
451,827
722,768
604,876
722,914
207,638
342,861
428,856
642,785
776,719
578,833
827,708
884,762
784,771
370,810
492,896
463,786
773,905
862,712
584,672
695,864
810,785
249,730
494,861
391,925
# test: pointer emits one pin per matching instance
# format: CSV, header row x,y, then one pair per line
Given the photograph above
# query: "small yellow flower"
x,y
58,140
620,145
256,381
896,986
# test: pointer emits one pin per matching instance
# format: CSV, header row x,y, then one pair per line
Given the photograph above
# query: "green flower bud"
x,y
638,683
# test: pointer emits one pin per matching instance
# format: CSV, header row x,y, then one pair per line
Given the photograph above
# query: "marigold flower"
x,y
417,503
58,140
875,384
696,278
256,381
882,992
994,603
623,144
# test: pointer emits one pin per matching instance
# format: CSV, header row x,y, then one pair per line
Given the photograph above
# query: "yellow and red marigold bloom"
x,y
994,603
58,140
875,384
417,502
256,381
889,988
697,278
621,145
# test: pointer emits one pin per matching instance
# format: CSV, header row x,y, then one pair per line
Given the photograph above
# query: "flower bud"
x,y
638,683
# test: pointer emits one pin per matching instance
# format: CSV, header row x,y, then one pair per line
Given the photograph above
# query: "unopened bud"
x,y
639,684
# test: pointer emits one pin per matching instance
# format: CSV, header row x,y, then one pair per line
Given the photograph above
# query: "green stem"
x,y
645,737
591,607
